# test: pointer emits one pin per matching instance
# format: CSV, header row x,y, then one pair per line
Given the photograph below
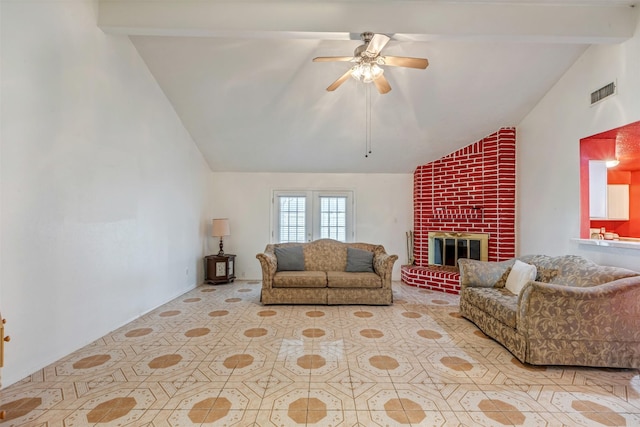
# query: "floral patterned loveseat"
x,y
326,274
575,312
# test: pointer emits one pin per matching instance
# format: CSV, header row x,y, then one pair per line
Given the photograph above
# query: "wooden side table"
x,y
219,269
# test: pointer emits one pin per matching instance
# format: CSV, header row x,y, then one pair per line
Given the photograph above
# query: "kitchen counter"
x,y
623,242
629,239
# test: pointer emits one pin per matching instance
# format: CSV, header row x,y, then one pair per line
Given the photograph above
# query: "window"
x,y
610,197
302,216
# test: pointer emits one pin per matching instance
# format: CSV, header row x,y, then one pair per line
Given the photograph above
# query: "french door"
x,y
303,216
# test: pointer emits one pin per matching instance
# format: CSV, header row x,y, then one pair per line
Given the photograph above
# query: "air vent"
x,y
603,92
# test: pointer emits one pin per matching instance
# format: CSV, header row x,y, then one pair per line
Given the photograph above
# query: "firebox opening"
x,y
445,248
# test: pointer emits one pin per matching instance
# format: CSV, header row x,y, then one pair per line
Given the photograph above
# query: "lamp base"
x,y
221,251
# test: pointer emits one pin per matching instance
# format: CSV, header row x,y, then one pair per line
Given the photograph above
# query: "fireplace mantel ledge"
x,y
454,213
610,243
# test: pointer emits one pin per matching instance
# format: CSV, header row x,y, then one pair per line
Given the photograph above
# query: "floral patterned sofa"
x,y
575,312
326,272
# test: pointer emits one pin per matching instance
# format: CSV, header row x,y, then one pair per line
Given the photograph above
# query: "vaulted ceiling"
x,y
241,78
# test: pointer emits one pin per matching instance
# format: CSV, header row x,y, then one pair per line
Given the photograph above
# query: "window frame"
x,y
312,211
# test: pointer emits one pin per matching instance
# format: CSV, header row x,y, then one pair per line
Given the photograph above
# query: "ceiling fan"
x,y
368,61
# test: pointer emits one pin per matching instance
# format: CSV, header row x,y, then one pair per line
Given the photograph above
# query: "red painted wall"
x,y
591,149
629,228
472,190
634,206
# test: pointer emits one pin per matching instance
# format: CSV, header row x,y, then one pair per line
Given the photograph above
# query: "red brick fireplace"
x,y
471,190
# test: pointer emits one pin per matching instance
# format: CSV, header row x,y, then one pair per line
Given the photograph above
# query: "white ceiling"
x,y
240,75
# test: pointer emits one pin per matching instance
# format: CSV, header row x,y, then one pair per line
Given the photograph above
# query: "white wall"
x,y
548,187
104,194
384,210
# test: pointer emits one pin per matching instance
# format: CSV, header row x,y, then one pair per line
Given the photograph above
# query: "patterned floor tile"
x,y
216,356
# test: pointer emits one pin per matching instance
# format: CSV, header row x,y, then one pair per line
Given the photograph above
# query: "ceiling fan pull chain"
x,y
367,146
366,123
369,102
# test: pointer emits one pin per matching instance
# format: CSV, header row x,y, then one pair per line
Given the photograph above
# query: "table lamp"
x,y
220,228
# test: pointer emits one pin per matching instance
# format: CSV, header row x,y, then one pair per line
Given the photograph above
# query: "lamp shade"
x,y
220,227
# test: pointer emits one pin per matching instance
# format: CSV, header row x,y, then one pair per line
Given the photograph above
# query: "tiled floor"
x,y
216,356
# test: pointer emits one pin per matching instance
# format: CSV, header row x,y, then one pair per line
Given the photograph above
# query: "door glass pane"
x,y
333,218
449,252
462,250
292,219
438,251
474,249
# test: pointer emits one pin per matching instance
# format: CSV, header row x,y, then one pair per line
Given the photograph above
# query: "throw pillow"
x,y
290,258
521,273
359,261
503,279
546,275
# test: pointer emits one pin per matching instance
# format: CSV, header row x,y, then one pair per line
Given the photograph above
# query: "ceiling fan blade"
x,y
382,84
403,61
333,86
378,41
333,58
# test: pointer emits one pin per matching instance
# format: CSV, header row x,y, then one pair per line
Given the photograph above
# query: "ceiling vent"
x,y
603,93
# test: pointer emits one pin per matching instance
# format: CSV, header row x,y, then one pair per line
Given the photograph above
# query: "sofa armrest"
x,y
269,264
483,274
607,312
383,266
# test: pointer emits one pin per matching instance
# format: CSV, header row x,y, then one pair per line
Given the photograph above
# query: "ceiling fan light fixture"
x,y
374,71
356,71
366,72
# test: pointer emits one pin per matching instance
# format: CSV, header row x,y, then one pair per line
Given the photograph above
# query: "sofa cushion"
x,y
290,258
325,255
359,261
521,274
497,302
342,279
300,279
